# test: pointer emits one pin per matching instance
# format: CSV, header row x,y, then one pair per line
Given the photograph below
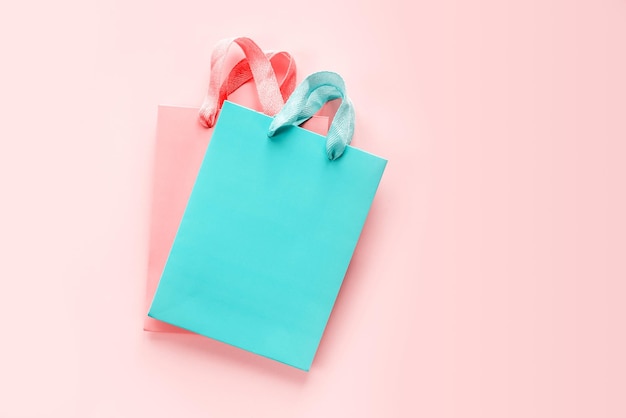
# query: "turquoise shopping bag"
x,y
270,227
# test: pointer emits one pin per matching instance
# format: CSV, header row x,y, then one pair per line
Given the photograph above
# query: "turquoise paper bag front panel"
x,y
266,238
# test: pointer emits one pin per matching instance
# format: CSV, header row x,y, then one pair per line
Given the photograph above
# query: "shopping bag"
x,y
181,143
270,227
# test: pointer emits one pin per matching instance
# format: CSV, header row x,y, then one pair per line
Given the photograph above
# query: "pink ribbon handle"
x,y
241,74
271,96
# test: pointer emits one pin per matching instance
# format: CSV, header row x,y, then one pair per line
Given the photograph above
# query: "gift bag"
x,y
182,141
270,227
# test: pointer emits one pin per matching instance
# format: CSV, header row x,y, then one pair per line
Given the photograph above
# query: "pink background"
x,y
489,280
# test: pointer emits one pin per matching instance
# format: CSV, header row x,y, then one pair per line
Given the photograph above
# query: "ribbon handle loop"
x,y
308,98
255,65
241,74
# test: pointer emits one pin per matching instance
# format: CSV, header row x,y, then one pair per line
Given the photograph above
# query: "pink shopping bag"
x,y
182,138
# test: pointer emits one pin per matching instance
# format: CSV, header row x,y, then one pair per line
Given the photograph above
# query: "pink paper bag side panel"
x,y
181,143
180,146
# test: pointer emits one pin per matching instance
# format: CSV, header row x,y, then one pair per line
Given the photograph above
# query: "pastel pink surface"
x,y
489,279
181,142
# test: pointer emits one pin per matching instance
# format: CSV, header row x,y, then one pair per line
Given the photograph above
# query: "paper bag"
x,y
270,228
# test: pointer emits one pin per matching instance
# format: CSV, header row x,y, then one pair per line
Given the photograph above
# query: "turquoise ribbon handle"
x,y
308,98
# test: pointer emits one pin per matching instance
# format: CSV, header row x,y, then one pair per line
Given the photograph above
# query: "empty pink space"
x,y
489,279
